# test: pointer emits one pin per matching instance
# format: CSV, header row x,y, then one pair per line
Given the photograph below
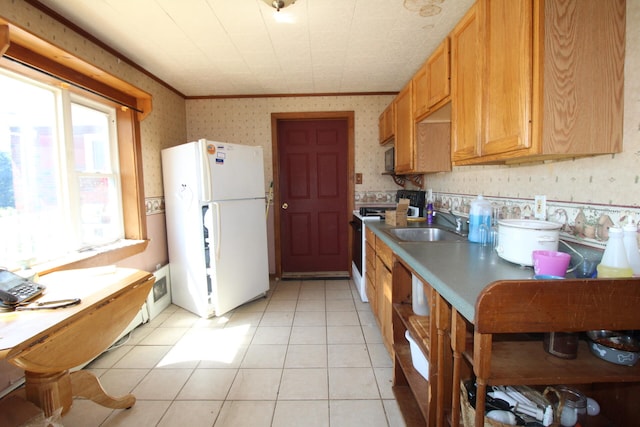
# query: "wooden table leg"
x,y
86,384
51,392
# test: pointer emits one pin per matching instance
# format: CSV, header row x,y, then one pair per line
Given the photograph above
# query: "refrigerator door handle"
x,y
206,170
218,232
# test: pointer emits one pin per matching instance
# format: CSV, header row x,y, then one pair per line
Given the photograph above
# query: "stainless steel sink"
x,y
424,234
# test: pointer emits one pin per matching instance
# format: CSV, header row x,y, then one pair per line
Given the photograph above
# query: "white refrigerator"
x,y
216,227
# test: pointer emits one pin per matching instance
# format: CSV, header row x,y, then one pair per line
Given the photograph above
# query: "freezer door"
x,y
238,268
235,171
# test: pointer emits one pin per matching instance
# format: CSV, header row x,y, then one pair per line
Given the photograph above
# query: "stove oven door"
x,y
356,243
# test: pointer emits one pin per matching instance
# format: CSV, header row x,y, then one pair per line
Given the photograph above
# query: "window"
x,y
59,172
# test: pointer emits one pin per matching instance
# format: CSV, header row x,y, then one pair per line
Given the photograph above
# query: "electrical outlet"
x,y
358,178
540,207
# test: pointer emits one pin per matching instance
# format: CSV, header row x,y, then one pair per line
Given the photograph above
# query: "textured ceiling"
x,y
245,47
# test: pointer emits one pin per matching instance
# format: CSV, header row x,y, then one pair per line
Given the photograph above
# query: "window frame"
x,y
41,60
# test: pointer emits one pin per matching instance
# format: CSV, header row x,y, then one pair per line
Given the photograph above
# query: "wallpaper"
x,y
248,121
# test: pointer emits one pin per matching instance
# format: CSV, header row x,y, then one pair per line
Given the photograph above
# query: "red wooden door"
x,y
313,157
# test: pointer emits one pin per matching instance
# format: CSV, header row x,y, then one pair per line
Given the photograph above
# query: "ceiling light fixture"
x,y
279,4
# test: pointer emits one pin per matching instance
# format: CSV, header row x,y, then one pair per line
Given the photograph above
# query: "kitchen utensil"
x,y
550,262
518,238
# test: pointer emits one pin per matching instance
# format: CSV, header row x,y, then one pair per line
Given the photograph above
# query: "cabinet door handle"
x,y
285,206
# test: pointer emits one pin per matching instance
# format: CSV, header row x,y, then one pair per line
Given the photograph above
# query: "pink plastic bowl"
x,y
550,262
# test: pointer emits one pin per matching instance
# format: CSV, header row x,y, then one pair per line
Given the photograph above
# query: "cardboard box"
x,y
398,217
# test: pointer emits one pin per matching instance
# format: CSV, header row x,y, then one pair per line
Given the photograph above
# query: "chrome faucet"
x,y
458,223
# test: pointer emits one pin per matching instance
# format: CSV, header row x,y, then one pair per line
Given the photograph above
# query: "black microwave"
x,y
389,160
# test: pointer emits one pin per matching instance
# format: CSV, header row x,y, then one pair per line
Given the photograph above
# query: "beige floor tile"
x,y
118,382
308,335
354,413
246,414
384,378
277,318
181,319
303,384
343,318
339,284
272,335
394,415
143,413
212,322
379,355
367,318
310,413
244,319
217,345
372,334
352,383
339,294
85,413
277,361
340,305
344,335
285,295
311,305
223,357
143,356
162,384
282,305
208,384
264,356
164,336
348,356
110,358
257,305
310,291
306,356
193,413
140,333
310,318
256,384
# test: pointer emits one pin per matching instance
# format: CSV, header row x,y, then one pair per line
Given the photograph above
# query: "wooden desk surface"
x,y
94,286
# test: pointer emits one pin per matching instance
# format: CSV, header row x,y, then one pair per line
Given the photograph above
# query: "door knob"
x,y
285,205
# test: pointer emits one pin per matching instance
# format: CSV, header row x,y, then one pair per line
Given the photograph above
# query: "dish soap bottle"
x,y
614,260
479,218
630,239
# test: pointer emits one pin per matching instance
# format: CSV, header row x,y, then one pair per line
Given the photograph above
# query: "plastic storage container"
x,y
630,238
614,260
420,303
479,220
420,362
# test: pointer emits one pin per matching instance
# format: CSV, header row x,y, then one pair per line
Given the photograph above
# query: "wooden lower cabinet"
x,y
507,349
418,397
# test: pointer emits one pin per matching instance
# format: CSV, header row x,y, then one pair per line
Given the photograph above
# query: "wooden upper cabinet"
x,y
404,141
438,74
431,82
508,80
465,87
552,80
420,92
386,124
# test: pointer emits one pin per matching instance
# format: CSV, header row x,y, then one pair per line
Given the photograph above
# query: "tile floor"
x,y
309,354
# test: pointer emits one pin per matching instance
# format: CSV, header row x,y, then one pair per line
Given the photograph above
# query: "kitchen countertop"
x,y
459,271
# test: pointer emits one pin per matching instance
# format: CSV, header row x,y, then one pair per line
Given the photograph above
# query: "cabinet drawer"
x,y
370,257
370,237
384,252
